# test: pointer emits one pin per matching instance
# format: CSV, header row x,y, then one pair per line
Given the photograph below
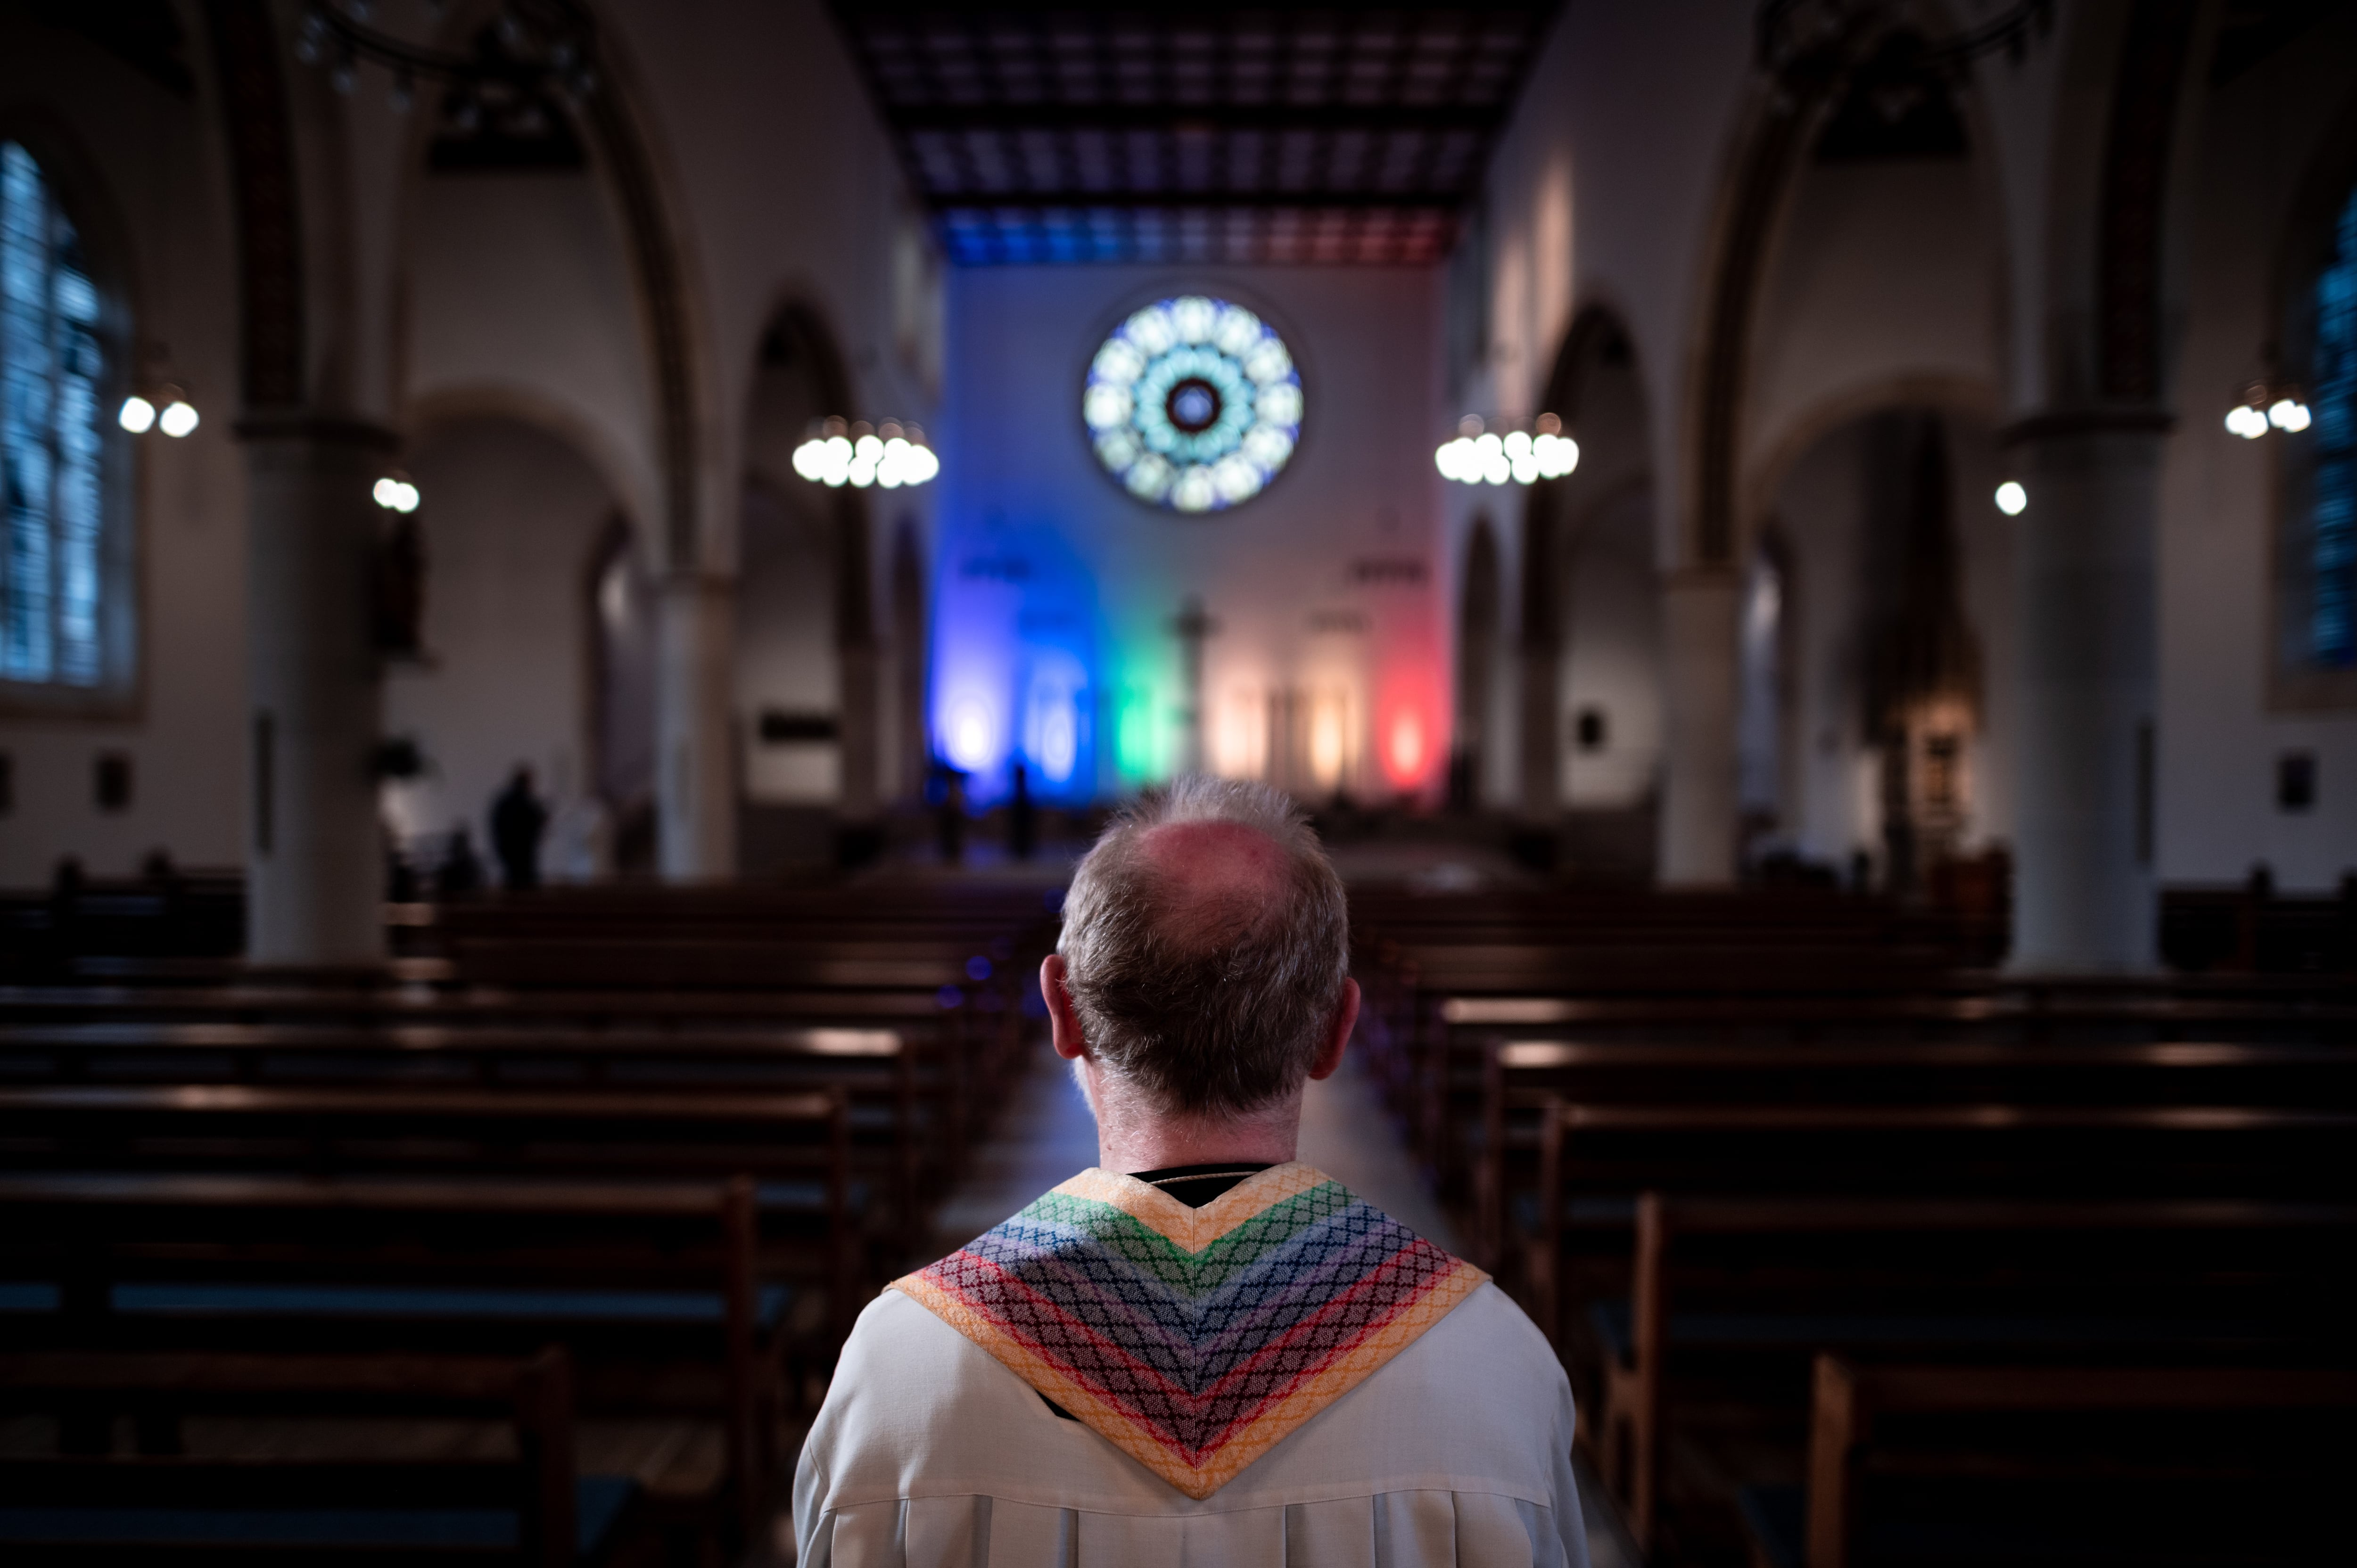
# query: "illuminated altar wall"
x,y
1056,593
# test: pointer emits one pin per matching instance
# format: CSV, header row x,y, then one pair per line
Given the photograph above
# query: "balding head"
x,y
1207,944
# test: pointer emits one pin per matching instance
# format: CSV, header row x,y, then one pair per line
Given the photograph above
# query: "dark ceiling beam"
x,y
1064,118
1446,201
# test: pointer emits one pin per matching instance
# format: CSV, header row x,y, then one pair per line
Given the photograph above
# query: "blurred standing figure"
x,y
517,818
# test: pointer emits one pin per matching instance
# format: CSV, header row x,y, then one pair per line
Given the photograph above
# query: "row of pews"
x,y
1859,1255
522,1250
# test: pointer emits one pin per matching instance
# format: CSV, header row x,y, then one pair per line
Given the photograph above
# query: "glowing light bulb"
x,y
387,492
2289,416
810,459
2011,499
407,499
178,419
973,733
2246,422
138,414
1407,749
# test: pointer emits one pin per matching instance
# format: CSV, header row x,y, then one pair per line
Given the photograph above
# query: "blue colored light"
x,y
1015,663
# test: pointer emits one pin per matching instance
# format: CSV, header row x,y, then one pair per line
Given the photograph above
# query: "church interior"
x,y
1811,592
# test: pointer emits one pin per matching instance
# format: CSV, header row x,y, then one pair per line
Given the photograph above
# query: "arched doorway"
x,y
537,643
622,610
1591,704
806,684
1477,669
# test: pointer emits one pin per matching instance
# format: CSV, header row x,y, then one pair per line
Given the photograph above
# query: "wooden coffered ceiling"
x,y
1204,133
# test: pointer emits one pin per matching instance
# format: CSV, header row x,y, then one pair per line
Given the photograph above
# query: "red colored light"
x,y
1404,748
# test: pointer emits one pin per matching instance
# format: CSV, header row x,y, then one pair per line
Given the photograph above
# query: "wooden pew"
x,y
1442,1074
935,1026
795,1146
2224,1465
527,1509
1595,1159
1522,1077
1745,1289
670,1307
892,1145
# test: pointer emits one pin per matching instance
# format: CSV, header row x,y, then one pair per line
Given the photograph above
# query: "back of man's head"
x,y
1207,942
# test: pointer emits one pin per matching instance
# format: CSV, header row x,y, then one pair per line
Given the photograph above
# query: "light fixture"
x,y
2288,414
2268,404
1483,456
395,493
162,406
2011,499
891,454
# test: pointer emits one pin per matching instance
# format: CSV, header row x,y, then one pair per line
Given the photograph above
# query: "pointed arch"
x,y
1477,665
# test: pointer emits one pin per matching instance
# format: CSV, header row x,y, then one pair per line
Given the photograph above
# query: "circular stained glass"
x,y
1193,404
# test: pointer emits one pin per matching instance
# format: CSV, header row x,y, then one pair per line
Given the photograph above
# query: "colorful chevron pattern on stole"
x,y
1193,1340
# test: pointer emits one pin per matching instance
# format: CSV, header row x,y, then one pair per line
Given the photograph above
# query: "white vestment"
x,y
928,1452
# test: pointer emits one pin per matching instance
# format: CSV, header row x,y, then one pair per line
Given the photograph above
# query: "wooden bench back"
x,y
534,1486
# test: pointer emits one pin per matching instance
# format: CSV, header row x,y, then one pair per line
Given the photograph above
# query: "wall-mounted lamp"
x,y
394,492
854,453
168,410
1483,456
2269,405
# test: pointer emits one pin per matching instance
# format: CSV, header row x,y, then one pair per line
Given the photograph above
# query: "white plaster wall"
x,y
1629,110
153,164
1883,277
523,301
1360,484
783,186
1612,653
785,643
2263,139
512,516
1823,508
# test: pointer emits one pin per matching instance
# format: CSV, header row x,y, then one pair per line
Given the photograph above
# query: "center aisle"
x,y
1046,1134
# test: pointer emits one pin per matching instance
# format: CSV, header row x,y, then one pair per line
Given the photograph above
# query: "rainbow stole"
x,y
1193,1340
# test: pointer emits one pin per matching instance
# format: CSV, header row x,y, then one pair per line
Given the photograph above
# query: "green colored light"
x,y
1135,751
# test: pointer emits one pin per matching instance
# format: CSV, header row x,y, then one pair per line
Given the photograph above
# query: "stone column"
x,y
695,748
1701,692
2084,693
315,860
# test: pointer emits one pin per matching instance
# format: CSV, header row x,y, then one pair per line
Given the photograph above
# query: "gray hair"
x,y
1220,1008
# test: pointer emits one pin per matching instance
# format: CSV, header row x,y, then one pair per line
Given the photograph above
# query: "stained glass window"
x,y
2331,542
52,367
1193,404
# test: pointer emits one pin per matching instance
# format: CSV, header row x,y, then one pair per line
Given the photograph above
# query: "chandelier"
x,y
2269,405
1480,456
890,454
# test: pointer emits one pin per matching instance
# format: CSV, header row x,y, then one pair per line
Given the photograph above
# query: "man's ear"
x,y
1338,1032
1063,1024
